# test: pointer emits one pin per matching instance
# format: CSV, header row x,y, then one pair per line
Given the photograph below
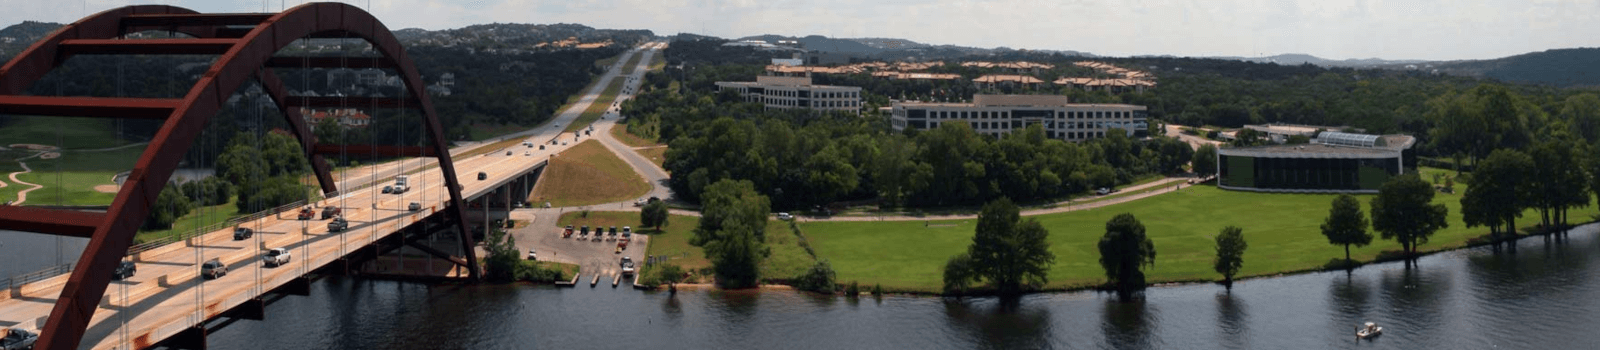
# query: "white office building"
x,y
999,114
796,92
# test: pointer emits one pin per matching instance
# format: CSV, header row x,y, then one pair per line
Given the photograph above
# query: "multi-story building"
x,y
796,92
999,114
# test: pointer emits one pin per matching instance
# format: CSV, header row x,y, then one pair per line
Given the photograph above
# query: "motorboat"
x,y
1368,331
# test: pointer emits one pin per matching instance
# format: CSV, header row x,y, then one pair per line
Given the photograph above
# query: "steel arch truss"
x,y
245,43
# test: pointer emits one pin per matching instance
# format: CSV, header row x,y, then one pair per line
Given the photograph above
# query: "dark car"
x,y
213,269
483,175
306,214
414,206
18,339
338,225
329,212
242,233
124,270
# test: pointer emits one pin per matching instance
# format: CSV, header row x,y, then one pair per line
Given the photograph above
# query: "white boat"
x,y
1368,331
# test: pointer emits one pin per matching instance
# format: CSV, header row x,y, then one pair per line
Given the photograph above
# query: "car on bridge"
x,y
276,257
242,233
306,214
213,269
338,225
329,212
387,189
414,206
483,175
17,339
124,270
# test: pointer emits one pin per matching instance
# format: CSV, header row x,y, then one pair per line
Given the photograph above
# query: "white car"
x,y
276,257
785,216
532,255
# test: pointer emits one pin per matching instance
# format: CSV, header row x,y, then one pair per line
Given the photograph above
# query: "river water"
x,y
1543,296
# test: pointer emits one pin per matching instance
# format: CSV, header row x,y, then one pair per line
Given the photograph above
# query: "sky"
x,y
1337,29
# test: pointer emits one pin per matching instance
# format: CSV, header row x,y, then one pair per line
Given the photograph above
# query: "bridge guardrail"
x,y
159,242
20,280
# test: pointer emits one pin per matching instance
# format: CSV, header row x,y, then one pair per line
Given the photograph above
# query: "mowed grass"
x,y
200,217
633,63
620,132
70,179
66,132
1283,231
656,155
588,174
597,108
787,259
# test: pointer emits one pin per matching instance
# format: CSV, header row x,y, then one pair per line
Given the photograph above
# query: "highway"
x,y
167,296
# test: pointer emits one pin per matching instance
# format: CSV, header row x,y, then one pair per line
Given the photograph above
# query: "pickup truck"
x,y
276,257
17,339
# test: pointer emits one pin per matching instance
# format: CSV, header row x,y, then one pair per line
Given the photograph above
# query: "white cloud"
x,y
1423,29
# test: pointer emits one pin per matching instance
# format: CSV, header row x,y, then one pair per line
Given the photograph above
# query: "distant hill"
x,y
1294,59
821,43
1558,67
18,37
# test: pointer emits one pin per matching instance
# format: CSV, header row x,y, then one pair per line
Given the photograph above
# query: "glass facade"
x,y
1306,173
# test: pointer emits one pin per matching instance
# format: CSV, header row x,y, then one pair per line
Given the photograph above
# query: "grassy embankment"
x,y
787,260
588,174
596,108
633,63
1283,231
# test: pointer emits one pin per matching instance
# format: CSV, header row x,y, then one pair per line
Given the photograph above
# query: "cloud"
x,y
1419,29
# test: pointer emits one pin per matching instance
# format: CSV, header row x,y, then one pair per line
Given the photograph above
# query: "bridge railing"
x,y
19,280
188,234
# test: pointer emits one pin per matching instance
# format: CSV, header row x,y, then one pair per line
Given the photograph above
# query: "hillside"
x,y
1558,67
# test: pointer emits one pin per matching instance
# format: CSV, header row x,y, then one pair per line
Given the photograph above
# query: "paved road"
x,y
1194,141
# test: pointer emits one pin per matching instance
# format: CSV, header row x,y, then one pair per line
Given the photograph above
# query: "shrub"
x,y
852,290
819,278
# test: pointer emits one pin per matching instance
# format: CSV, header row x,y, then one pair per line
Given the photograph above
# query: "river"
x,y
1541,296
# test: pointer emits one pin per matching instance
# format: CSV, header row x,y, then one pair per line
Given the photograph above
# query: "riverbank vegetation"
x,y
1283,231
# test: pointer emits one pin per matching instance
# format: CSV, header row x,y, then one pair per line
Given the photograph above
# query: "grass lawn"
x,y
65,132
597,108
588,174
658,61
1283,231
620,132
656,155
787,260
633,62
200,217
70,179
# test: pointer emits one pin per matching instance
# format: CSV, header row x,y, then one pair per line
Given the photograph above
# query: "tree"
x,y
1404,211
654,214
819,278
1205,160
671,274
504,258
958,274
732,224
1557,179
1298,140
1009,253
1346,225
1124,250
1230,254
1498,192
170,205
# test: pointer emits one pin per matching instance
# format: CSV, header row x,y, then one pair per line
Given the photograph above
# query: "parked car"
x,y
240,233
306,214
627,232
483,175
508,153
785,216
17,339
567,232
329,212
213,269
639,202
583,230
277,256
627,265
1102,191
338,225
532,255
124,270
414,206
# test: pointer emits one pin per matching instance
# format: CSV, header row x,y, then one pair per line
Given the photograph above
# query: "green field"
x,y
66,132
588,174
1282,229
70,179
787,258
200,217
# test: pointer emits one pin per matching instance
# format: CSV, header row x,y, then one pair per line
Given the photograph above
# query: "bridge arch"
x,y
245,44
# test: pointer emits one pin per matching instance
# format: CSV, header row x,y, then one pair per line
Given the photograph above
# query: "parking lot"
x,y
595,256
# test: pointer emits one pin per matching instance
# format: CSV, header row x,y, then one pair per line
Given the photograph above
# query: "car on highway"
x,y
330,212
414,206
532,255
306,214
483,175
276,257
387,189
213,269
338,225
627,265
241,233
17,339
124,270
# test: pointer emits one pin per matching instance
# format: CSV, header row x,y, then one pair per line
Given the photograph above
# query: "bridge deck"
x,y
167,294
